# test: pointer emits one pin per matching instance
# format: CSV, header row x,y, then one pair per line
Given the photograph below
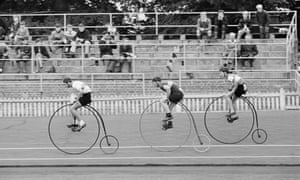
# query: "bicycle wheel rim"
x,y
81,148
169,140
247,127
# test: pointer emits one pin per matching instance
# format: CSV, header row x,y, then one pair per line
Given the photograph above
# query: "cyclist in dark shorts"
x,y
84,98
174,96
237,89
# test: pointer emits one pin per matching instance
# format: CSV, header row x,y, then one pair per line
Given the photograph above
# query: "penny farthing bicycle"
x,y
67,140
150,127
221,130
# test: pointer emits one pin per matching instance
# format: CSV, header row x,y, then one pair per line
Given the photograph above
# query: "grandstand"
x,y
273,67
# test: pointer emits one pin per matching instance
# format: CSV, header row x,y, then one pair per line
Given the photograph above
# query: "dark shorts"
x,y
240,91
85,99
176,97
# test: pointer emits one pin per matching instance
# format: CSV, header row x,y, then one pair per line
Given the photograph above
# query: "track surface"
x,y
24,142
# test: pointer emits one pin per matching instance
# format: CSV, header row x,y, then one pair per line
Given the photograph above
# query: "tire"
x,y
150,127
220,129
68,141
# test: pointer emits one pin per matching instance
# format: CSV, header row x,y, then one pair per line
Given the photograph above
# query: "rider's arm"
x,y
168,90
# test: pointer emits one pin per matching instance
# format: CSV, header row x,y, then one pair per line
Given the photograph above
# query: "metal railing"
x,y
156,24
187,54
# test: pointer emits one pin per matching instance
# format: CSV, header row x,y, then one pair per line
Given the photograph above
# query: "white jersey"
x,y
81,87
233,78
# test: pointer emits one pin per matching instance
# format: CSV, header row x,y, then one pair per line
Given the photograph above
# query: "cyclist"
x,y
238,88
174,96
83,99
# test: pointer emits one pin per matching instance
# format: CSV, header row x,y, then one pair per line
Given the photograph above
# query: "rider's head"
x,y
225,70
156,81
67,81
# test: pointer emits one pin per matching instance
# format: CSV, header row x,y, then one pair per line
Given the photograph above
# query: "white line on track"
x,y
140,158
145,147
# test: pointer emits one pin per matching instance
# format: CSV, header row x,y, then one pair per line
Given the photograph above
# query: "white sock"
x,y
81,123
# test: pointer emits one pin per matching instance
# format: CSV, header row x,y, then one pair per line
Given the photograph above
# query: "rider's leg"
x,y
230,103
74,112
165,104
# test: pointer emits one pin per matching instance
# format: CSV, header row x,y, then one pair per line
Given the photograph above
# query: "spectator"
x,y
203,26
57,38
262,18
126,54
22,33
40,52
221,25
3,55
106,52
244,25
14,28
70,35
21,38
171,62
24,56
247,52
231,49
2,34
82,38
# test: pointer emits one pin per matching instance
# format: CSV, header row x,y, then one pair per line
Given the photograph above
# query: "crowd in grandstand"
x,y
66,40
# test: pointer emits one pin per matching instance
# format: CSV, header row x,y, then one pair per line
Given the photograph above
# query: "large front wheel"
x,y
226,132
150,126
68,141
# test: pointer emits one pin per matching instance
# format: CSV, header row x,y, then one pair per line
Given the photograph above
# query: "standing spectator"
x,y
2,33
3,55
231,49
106,52
21,38
126,54
40,52
24,56
171,62
82,38
14,28
70,35
244,25
262,18
247,52
22,33
57,38
221,25
203,26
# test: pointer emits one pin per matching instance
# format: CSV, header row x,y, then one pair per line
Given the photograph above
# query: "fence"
x,y
152,23
188,54
37,107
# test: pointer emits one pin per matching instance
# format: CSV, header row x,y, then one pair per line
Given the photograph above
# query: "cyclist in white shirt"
x,y
84,98
238,88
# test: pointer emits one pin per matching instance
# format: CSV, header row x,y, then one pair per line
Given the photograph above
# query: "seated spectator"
x,y
230,49
262,18
24,55
82,38
244,25
57,37
14,28
40,52
203,26
126,54
247,52
106,52
70,35
112,30
221,25
3,55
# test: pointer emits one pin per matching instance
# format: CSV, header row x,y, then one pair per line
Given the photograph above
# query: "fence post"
x,y
144,85
32,59
282,99
156,23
